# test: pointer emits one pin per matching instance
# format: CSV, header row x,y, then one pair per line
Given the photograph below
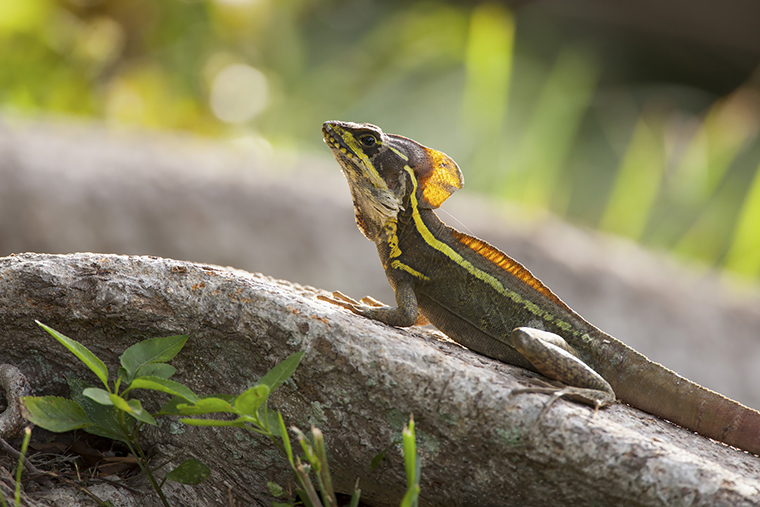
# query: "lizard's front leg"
x,y
554,358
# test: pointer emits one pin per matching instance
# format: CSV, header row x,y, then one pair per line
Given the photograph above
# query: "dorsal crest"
x,y
506,263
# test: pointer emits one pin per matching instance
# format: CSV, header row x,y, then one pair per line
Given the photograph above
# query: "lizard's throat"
x,y
374,209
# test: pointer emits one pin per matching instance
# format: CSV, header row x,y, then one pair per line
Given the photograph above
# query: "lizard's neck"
x,y
404,234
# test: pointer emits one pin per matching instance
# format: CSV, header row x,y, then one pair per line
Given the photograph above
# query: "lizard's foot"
x,y
554,358
364,306
340,299
597,399
591,397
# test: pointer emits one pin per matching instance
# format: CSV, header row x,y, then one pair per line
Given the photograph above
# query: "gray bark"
x,y
15,386
358,382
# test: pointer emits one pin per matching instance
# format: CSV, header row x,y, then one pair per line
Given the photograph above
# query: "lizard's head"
x,y
386,172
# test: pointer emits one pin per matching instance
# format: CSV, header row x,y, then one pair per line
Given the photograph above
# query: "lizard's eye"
x,y
368,140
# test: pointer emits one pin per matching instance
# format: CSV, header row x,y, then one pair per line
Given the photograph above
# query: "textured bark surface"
x,y
358,382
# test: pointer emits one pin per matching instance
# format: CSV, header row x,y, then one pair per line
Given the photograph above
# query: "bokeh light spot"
x,y
238,93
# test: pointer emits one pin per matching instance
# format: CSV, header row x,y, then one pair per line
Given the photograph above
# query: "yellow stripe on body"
x,y
397,264
390,229
478,273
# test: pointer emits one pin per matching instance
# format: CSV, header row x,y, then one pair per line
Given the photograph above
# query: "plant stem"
x,y
143,462
24,445
324,468
306,483
136,450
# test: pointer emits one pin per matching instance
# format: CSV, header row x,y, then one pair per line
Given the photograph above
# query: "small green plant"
x,y
254,416
111,411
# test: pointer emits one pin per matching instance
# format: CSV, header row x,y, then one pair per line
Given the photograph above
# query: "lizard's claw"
x,y
337,297
361,307
349,303
370,301
340,299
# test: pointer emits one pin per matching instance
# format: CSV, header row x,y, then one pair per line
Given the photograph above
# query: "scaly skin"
x,y
488,302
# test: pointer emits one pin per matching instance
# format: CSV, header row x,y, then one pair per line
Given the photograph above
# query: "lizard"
x,y
486,301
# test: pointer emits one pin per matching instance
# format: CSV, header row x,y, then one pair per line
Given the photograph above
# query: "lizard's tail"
x,y
653,388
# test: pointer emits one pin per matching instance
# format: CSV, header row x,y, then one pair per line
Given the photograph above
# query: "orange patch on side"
x,y
505,262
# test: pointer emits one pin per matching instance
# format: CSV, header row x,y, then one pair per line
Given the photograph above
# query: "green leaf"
x,y
154,350
410,454
273,423
412,465
55,413
166,386
280,373
411,496
381,456
207,406
171,407
190,471
285,439
119,377
139,413
99,395
82,352
121,373
133,408
275,489
162,370
104,417
120,403
212,422
249,401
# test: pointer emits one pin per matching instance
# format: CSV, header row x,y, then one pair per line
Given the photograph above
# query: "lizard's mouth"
x,y
334,141
328,133
345,156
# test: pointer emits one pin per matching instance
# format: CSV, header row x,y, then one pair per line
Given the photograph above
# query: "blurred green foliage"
x,y
541,131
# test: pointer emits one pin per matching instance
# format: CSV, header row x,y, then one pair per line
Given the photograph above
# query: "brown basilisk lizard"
x,y
488,302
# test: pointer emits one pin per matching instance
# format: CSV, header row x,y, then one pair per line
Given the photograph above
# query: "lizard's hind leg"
x,y
554,358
